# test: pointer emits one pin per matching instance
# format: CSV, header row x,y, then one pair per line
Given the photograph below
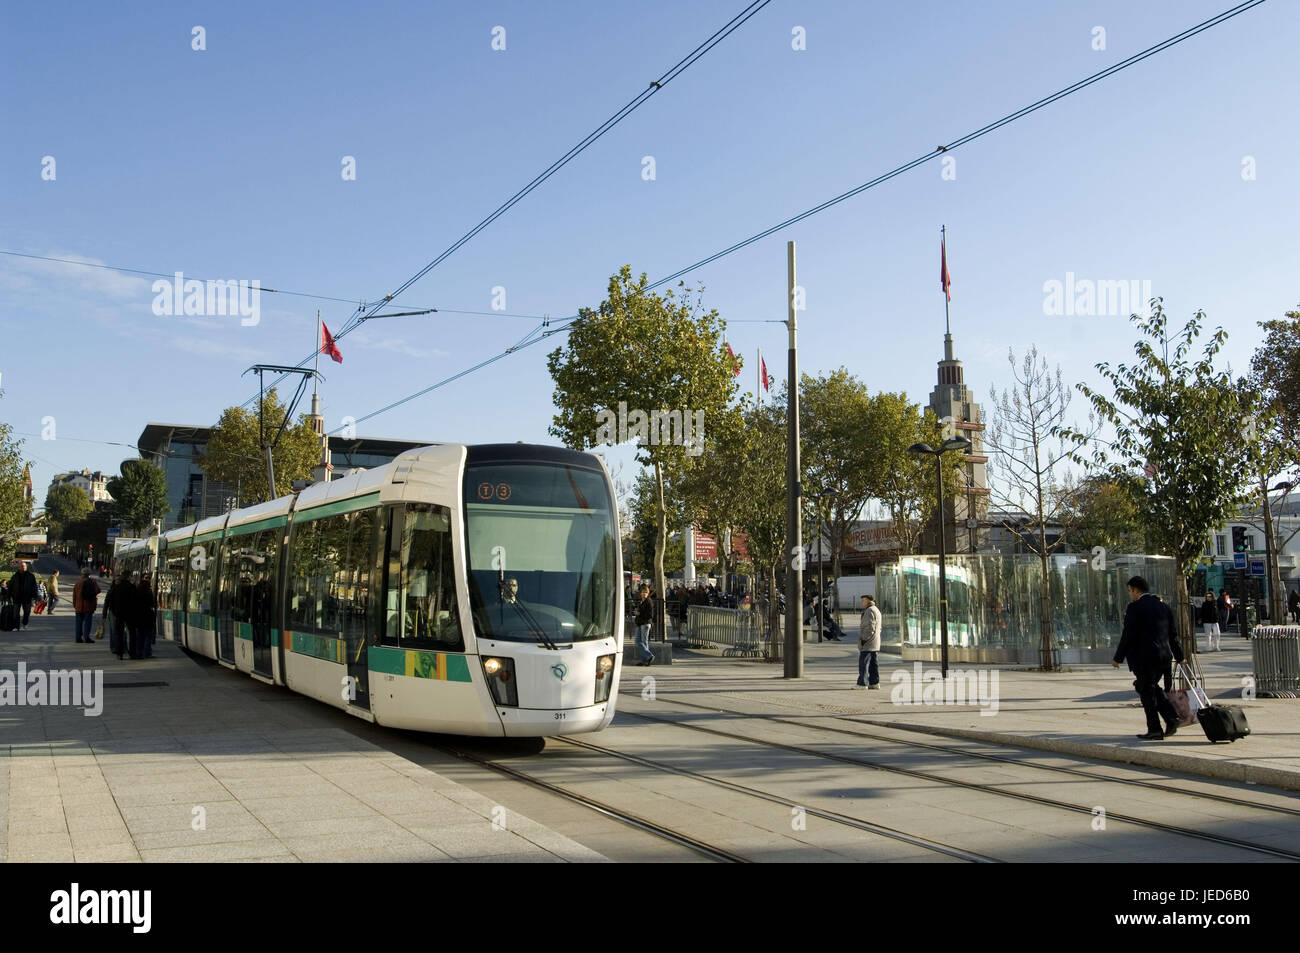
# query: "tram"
x,y
472,590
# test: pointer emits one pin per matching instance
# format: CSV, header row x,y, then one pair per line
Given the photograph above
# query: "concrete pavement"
x,y
189,761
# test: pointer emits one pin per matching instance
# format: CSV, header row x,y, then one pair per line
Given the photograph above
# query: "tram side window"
x,y
202,563
330,567
420,607
248,570
171,580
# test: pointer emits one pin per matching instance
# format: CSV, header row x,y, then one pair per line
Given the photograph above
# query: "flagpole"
x,y
943,242
758,380
316,378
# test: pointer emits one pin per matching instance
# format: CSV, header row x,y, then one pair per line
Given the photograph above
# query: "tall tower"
x,y
951,400
323,470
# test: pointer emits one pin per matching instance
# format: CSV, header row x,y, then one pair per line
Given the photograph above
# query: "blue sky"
x,y
225,163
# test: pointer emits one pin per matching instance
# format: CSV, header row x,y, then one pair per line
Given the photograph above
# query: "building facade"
x,y
93,483
192,496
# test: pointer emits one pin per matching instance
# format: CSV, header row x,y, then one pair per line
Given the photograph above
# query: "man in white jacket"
x,y
868,645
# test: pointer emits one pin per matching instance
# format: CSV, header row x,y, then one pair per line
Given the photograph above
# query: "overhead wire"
x,y
357,318
870,184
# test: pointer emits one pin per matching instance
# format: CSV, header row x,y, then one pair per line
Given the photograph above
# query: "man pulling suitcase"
x,y
1149,643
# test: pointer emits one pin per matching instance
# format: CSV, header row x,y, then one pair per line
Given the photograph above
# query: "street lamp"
x,y
963,445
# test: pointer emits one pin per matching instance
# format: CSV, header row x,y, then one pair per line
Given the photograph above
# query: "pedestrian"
x,y
118,606
1209,619
54,592
145,614
23,590
1224,605
645,612
85,600
1293,605
1147,646
869,645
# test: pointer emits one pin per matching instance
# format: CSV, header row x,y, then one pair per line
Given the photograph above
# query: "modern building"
x,y
192,496
93,483
1219,561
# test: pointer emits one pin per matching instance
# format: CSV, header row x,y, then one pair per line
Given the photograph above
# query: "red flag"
x,y
944,280
327,345
735,361
767,381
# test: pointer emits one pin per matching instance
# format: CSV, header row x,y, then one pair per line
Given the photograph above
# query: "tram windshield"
x,y
541,552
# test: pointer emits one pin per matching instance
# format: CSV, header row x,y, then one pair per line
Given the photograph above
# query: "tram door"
x,y
361,580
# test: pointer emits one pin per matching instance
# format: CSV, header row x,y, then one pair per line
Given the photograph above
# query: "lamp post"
x,y
963,445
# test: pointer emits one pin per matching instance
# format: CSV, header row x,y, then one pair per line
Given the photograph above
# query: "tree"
x,y
64,504
711,485
1106,514
234,452
1275,374
1025,446
905,482
644,518
838,444
632,368
761,515
1177,421
15,509
139,495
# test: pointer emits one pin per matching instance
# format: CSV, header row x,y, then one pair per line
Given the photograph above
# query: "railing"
x,y
1275,652
736,631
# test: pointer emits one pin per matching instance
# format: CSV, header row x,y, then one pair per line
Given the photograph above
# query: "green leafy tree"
x,y
644,516
15,509
905,482
761,515
139,496
711,486
1106,514
1275,376
838,445
234,452
646,353
1178,421
64,504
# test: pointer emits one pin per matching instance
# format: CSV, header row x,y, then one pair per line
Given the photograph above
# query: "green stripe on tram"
x,y
317,646
418,663
270,522
334,509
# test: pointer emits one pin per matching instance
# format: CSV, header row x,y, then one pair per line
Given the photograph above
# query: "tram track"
x,y
989,789
711,851
984,756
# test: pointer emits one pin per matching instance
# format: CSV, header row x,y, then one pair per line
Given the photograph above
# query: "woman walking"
x,y
1209,618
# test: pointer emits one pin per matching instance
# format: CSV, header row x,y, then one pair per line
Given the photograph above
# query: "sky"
x,y
127,146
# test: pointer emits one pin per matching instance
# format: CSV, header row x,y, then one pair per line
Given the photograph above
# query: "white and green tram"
x,y
467,590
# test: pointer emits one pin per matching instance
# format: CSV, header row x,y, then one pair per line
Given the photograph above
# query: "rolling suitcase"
x,y
1220,722
8,618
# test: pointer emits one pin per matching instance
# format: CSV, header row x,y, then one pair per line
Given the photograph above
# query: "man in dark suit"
x,y
1149,642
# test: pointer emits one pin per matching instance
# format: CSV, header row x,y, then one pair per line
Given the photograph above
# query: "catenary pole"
x,y
793,526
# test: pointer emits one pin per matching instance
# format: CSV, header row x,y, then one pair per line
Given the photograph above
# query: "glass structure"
x,y
995,606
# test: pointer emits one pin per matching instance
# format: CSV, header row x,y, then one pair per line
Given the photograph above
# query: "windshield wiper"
x,y
530,620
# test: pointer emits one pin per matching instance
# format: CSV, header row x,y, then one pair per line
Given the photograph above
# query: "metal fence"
x,y
735,631
1275,652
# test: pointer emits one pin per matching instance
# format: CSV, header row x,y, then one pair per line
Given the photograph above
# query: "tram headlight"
x,y
604,677
500,673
